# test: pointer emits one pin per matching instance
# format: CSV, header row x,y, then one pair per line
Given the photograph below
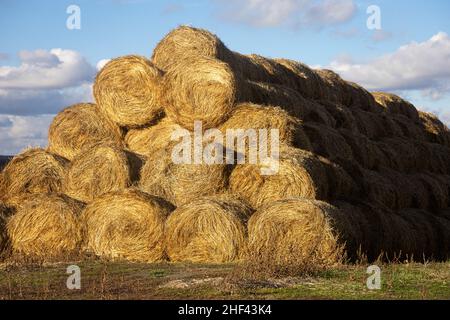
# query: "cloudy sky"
x,y
44,66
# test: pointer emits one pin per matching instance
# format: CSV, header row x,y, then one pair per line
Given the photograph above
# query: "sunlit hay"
x,y
254,117
78,127
148,140
307,82
342,115
181,183
200,89
126,225
46,228
101,169
396,105
294,235
128,89
207,230
300,174
33,171
328,142
288,99
435,130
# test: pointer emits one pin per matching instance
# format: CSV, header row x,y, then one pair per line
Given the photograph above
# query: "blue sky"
x,y
44,66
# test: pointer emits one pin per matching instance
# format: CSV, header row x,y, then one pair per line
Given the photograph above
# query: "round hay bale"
x,y
342,115
181,183
5,213
207,230
409,129
33,171
146,141
307,82
80,126
46,227
252,116
200,89
379,189
335,89
288,99
101,169
376,126
300,174
366,152
328,142
435,130
186,42
360,98
128,89
396,105
436,191
340,184
295,234
127,224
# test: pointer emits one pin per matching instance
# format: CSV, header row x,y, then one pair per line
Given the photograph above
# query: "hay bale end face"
x,y
293,234
200,89
46,227
101,169
5,213
78,127
207,230
33,171
127,91
126,225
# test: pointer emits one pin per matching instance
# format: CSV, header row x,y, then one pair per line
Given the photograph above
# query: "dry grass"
x,y
128,90
126,225
207,230
79,127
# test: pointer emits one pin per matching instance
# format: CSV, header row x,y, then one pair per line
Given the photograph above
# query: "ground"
x,y
119,280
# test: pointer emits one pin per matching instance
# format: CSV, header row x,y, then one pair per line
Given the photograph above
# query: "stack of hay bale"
x,y
359,172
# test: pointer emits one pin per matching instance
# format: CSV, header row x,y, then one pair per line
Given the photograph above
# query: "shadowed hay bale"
x,y
342,115
300,174
379,189
435,130
101,169
78,127
252,116
294,233
328,142
396,105
409,129
33,171
127,90
436,191
181,183
146,141
307,82
46,227
127,224
406,155
376,126
207,230
5,213
287,99
202,89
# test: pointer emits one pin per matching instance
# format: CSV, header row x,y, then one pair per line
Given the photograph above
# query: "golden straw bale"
x,y
295,234
252,116
396,105
435,130
127,224
146,141
46,227
101,169
300,174
200,89
80,126
33,171
328,142
207,230
184,182
128,90
288,99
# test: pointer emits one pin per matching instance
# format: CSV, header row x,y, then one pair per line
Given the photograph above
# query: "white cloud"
x,y
423,66
41,69
18,132
294,13
102,63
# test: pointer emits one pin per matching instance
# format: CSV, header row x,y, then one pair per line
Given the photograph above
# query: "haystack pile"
x,y
358,172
